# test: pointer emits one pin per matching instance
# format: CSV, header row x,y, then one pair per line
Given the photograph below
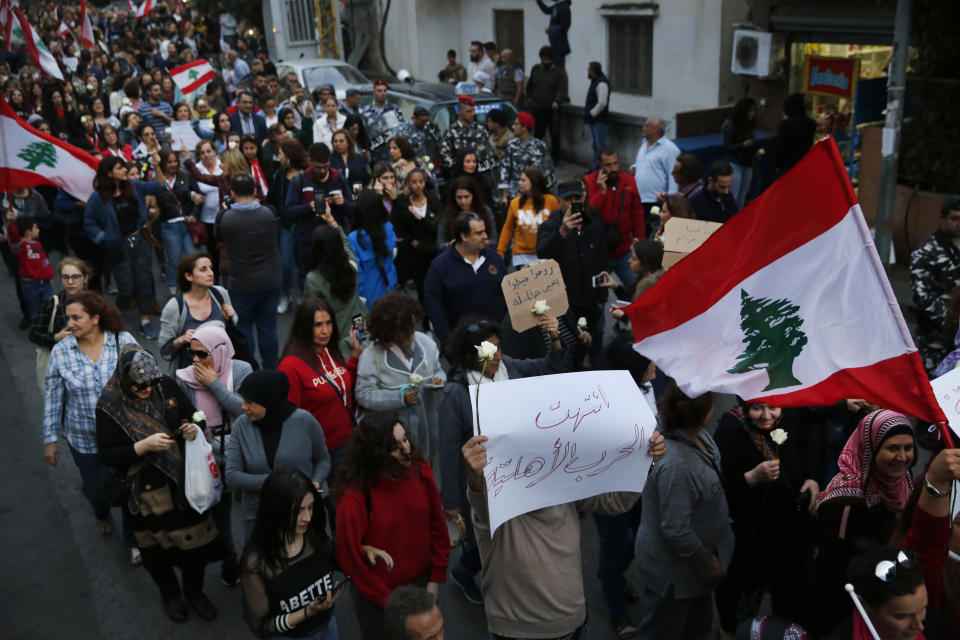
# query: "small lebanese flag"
x,y
86,29
788,304
193,75
36,49
143,9
64,30
29,157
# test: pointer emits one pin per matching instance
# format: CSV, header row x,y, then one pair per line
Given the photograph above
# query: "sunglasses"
x,y
199,353
886,570
143,386
477,326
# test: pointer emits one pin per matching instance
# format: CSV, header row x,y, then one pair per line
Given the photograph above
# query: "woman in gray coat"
x,y
401,370
272,434
211,383
685,541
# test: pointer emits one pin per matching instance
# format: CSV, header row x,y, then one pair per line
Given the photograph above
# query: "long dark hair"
x,y
300,339
328,256
538,187
280,497
458,165
368,453
466,183
470,331
371,219
106,184
740,112
362,140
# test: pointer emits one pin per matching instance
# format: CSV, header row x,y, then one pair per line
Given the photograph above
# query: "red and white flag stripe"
x,y
193,75
86,28
800,254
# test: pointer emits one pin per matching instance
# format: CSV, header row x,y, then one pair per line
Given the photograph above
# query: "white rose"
x,y
168,131
415,379
655,210
540,307
779,436
582,322
126,102
486,350
232,144
431,166
198,417
761,152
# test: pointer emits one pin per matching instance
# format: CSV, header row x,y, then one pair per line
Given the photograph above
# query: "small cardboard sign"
x,y
682,236
540,281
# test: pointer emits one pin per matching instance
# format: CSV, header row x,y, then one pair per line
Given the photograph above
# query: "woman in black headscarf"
x,y
142,421
272,434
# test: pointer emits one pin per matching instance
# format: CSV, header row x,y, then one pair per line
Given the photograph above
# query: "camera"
x,y
227,202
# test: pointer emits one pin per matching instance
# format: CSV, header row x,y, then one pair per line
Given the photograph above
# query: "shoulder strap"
x,y
216,295
53,314
623,195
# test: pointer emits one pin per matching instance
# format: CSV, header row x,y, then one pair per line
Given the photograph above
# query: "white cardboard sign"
x,y
556,439
947,390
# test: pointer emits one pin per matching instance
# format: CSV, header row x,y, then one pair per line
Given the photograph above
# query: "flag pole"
x,y
863,613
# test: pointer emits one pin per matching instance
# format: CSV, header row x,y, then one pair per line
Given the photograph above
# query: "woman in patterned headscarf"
x,y
861,506
142,422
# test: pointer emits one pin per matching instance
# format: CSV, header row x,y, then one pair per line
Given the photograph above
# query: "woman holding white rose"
x,y
768,466
401,369
143,421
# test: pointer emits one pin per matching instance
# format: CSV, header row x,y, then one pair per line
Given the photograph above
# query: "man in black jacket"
x,y
573,236
715,203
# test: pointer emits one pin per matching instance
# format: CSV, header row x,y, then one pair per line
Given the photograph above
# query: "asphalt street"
x,y
62,577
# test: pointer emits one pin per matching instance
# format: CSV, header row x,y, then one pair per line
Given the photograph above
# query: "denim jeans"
x,y
259,308
34,293
598,138
621,266
742,179
177,243
675,618
615,551
288,263
92,473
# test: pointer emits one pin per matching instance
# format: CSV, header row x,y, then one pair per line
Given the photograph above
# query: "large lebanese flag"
x,y
193,75
29,157
86,29
787,303
143,10
36,49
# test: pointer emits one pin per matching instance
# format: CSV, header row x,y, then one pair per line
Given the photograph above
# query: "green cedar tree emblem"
x,y
37,153
773,339
193,74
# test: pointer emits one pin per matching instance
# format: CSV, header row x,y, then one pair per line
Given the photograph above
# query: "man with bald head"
x,y
654,164
508,81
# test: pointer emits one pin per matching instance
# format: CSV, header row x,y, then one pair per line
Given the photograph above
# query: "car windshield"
x,y
338,76
448,113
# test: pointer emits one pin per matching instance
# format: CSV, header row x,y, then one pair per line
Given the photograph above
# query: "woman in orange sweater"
x,y
524,216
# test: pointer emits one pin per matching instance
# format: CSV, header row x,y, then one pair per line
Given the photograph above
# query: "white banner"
x,y
947,390
560,438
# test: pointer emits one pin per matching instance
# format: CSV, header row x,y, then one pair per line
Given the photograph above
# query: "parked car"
x,y
316,72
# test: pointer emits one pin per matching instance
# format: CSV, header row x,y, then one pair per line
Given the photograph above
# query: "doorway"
x,y
508,31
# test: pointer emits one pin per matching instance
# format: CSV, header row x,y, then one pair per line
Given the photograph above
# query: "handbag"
x,y
43,353
198,233
611,230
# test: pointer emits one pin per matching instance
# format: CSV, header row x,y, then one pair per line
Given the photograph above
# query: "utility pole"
x,y
896,93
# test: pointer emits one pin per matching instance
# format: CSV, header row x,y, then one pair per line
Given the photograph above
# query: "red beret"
x,y
379,83
526,120
466,100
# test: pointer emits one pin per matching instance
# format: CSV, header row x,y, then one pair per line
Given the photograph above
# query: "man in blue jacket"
x,y
557,28
245,120
464,279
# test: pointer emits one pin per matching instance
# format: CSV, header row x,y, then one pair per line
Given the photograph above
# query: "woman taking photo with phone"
x,y
289,554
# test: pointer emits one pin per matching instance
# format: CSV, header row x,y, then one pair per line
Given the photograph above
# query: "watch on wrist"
x,y
932,490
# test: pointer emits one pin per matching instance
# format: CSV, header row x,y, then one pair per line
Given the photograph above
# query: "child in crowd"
x,y
36,272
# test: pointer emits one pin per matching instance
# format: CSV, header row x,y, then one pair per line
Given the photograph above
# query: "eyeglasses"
x,y
886,570
477,326
199,353
143,386
71,276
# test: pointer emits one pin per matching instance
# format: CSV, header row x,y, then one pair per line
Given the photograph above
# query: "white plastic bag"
x,y
202,476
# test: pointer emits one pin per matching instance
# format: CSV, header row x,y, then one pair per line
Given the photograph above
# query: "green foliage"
x,y
773,338
37,153
928,154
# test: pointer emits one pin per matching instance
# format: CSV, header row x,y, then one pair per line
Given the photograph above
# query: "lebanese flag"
x,y
86,29
29,157
6,21
64,30
788,304
143,9
193,75
36,49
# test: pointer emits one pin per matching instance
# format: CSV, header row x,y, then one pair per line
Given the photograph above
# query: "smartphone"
x,y
598,280
621,303
341,584
319,202
360,326
576,207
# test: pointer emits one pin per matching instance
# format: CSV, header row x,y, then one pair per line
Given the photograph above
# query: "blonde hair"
x,y
234,163
75,262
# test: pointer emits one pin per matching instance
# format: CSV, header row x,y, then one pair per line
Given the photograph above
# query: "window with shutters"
x,y
301,21
630,54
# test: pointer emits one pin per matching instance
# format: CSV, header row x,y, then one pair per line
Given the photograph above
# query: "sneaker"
x,y
135,558
229,572
464,579
175,609
148,331
284,304
202,605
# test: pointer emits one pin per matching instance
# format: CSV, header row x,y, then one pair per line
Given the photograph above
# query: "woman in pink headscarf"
x,y
861,506
211,383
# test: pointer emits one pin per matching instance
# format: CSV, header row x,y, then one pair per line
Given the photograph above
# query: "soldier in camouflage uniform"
x,y
422,134
466,133
382,119
934,274
522,152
